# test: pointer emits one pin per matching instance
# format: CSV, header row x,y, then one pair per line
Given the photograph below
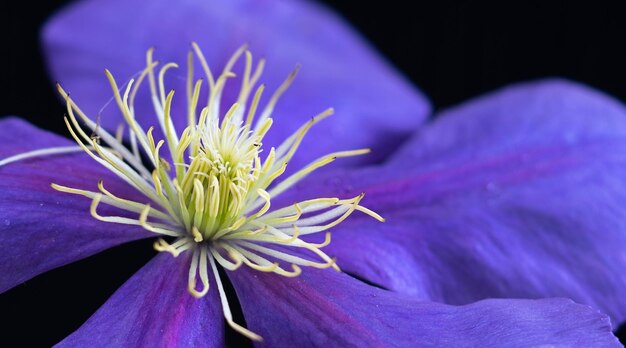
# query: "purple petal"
x,y
517,194
325,308
41,228
154,309
551,114
375,106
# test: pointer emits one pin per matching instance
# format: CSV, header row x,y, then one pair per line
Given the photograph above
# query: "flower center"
x,y
219,178
210,191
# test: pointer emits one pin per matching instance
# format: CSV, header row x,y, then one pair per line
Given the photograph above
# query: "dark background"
x,y
452,50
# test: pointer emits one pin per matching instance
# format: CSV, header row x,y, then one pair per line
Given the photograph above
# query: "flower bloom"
x,y
502,197
214,195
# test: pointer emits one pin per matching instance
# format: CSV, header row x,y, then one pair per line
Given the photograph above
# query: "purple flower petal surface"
x,y
154,309
41,228
375,106
519,194
324,308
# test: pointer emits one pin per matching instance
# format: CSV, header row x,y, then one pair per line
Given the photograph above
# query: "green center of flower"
x,y
219,179
210,195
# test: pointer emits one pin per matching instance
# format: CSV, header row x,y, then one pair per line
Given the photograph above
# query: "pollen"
x,y
209,187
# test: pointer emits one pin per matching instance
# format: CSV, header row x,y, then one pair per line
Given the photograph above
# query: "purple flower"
x,y
514,195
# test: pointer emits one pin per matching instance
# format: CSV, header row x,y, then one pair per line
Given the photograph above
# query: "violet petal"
x,y
154,309
41,228
517,194
375,106
325,308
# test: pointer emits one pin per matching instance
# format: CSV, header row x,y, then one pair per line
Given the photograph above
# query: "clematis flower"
x,y
516,194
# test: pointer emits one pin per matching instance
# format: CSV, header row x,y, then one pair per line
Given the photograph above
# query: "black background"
x,y
452,50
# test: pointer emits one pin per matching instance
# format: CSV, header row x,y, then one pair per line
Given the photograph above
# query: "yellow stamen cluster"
x,y
212,192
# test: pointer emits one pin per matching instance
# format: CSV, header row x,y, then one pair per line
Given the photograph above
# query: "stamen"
x,y
204,64
199,257
322,244
132,159
262,264
161,229
284,256
197,236
136,207
40,153
175,249
112,201
134,126
119,133
269,108
308,206
320,162
288,148
226,308
225,263
105,157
